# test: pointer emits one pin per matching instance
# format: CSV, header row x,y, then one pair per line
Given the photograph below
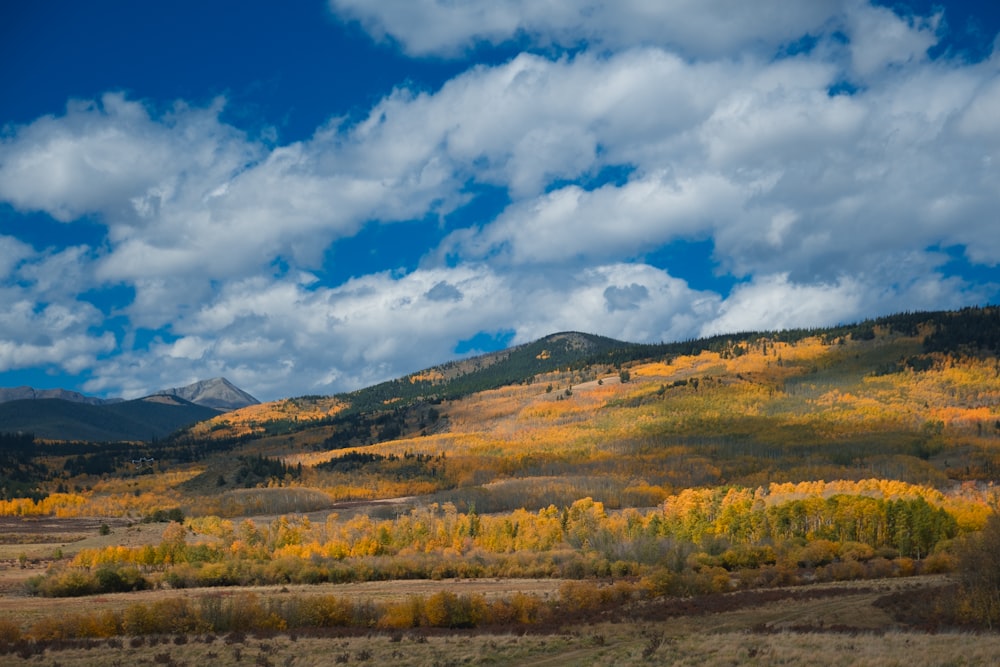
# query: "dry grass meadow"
x,y
824,624
599,646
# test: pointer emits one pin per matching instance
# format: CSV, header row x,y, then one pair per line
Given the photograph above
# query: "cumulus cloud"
x,y
908,281
42,321
823,204
571,223
773,302
697,28
881,38
12,253
111,155
625,298
58,335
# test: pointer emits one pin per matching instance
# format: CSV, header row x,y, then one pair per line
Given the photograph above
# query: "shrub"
x,y
579,595
10,632
978,571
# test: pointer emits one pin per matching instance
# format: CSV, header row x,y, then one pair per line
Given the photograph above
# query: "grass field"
x,y
814,625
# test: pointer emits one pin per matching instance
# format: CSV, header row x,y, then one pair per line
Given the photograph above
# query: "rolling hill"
x,y
141,419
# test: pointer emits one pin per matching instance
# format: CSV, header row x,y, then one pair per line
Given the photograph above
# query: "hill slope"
x,y
915,397
361,417
141,419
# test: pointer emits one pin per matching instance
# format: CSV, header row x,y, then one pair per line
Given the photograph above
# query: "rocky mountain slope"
x,y
218,393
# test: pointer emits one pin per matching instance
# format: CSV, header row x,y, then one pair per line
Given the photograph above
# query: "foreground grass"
x,y
610,645
828,624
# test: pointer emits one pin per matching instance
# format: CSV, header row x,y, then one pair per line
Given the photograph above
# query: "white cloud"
x,y
12,253
773,302
697,28
55,334
902,282
571,224
281,338
979,118
824,204
100,156
880,38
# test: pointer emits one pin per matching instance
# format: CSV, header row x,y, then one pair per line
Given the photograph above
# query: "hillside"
x,y
843,358
912,397
141,419
57,414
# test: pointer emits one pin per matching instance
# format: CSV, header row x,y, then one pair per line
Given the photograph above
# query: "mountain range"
x,y
408,404
30,393
58,414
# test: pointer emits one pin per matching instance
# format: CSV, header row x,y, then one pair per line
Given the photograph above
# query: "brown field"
x,y
24,610
812,625
599,646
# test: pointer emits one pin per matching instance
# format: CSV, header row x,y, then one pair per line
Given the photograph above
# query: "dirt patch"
x,y
48,528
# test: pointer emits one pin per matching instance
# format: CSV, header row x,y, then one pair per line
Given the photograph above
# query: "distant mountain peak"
x,y
575,340
30,393
217,393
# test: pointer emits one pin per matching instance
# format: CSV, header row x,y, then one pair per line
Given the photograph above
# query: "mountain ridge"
x,y
218,393
57,414
25,392
566,352
141,419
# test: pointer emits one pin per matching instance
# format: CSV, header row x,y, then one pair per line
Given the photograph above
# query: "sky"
x,y
314,196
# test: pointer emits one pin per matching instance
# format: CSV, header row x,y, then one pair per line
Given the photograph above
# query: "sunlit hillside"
x,y
750,414
267,418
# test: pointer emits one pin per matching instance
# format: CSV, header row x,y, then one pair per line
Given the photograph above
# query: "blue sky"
x,y
322,195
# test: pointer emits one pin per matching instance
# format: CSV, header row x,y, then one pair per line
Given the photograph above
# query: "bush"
x,y
978,570
64,583
10,632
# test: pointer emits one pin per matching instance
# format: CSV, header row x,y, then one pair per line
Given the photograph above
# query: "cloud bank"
x,y
826,157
